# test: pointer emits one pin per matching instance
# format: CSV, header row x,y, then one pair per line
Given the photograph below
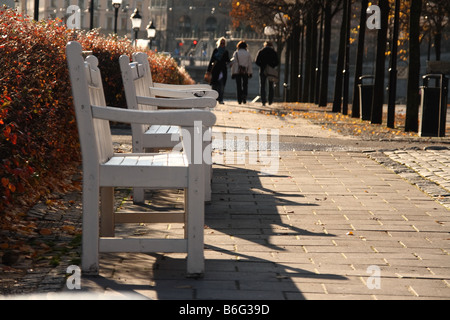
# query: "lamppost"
x,y
91,15
116,4
151,32
36,10
136,20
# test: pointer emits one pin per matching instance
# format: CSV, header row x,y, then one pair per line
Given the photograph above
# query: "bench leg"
x,y
195,217
90,238
208,175
137,131
138,195
207,158
107,224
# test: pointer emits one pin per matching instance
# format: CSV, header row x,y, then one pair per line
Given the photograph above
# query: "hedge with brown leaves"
x,y
38,134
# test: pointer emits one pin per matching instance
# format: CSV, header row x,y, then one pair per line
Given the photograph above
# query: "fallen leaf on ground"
x,y
68,228
45,232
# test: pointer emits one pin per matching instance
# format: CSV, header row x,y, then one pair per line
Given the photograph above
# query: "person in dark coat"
x,y
218,64
266,56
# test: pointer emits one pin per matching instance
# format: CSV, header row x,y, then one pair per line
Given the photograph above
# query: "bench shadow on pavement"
x,y
243,227
243,207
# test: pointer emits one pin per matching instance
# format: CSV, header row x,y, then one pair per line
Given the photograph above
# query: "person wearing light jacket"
x,y
241,70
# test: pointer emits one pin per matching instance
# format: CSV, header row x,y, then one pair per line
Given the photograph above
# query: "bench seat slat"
x,y
129,161
144,160
177,159
174,130
163,129
158,129
114,161
153,129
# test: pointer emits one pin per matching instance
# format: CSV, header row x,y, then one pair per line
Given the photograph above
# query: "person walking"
x,y
241,70
266,56
217,68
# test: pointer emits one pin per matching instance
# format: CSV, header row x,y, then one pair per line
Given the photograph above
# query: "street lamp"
x,y
136,20
116,4
151,32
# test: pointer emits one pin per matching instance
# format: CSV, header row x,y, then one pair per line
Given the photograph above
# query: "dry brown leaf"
x,y
45,232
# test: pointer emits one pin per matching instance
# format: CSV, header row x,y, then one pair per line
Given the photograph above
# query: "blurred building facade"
x,y
180,24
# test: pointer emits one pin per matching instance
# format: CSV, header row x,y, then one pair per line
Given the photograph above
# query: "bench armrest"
x,y
173,93
182,118
182,86
187,103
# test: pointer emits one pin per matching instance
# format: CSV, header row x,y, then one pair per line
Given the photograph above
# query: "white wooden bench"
x,y
103,170
138,96
172,90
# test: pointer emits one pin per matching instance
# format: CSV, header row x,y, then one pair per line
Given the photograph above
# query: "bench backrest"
x,y
87,91
134,77
135,84
142,59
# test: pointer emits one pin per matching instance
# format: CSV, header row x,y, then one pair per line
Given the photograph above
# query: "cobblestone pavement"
x,y
433,165
330,223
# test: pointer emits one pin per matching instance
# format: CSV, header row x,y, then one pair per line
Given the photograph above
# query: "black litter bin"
x,y
365,97
433,106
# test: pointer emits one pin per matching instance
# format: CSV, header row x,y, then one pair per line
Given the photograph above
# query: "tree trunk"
x,y
308,58
280,47
378,90
302,69
359,58
413,97
319,60
287,63
340,64
347,59
437,44
312,66
393,69
323,99
295,64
